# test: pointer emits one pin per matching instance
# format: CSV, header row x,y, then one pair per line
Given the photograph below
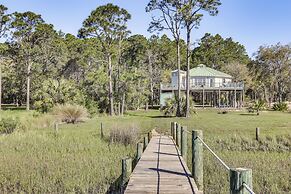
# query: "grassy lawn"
x,y
76,159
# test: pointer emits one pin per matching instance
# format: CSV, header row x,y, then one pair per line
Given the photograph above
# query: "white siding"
x,y
218,82
174,80
199,81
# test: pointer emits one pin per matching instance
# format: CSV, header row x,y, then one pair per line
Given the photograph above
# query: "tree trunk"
x,y
28,87
151,80
110,93
118,108
187,74
280,91
152,95
123,104
178,114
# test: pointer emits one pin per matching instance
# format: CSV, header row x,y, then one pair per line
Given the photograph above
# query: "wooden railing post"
x,y
184,142
149,136
101,131
257,133
126,171
178,136
238,176
145,142
56,126
139,150
197,158
174,131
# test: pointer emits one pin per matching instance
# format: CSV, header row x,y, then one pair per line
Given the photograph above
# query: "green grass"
x,y
76,159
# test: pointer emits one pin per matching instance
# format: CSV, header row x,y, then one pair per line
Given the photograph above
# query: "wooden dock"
x,y
161,169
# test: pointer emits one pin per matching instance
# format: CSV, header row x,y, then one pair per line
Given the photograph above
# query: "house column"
x,y
235,102
203,97
241,99
213,98
227,98
219,97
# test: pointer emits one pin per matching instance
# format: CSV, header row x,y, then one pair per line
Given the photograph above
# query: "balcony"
x,y
212,86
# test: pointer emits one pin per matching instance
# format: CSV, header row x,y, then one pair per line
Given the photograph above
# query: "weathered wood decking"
x,y
161,169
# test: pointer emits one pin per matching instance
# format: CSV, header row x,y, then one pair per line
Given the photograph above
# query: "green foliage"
x,y
171,105
105,22
54,92
271,72
75,160
218,53
257,106
90,164
8,125
70,113
281,106
4,21
92,107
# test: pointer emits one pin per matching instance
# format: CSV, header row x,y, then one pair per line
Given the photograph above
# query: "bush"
x,y
55,92
92,107
171,106
257,106
124,136
281,106
70,113
222,112
8,125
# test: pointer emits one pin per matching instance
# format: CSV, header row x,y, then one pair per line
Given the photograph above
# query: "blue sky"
x,y
250,22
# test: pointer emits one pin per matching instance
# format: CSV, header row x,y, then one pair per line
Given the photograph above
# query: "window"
x,y
200,81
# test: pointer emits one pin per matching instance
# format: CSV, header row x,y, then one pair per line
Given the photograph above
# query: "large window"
x,y
200,81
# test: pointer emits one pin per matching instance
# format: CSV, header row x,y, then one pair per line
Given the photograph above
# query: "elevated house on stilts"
x,y
208,88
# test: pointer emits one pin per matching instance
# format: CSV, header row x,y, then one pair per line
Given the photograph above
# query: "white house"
x,y
208,87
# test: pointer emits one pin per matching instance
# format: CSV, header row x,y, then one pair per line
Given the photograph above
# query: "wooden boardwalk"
x,y
161,169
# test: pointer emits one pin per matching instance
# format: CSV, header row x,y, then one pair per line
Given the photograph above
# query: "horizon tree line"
x,y
106,69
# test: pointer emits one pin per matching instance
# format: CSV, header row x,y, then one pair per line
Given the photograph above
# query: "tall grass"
x,y
124,136
76,160
70,113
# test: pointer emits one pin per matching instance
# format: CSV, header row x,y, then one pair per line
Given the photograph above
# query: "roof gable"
x,y
203,71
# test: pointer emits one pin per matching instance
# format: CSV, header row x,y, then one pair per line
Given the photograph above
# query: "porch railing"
x,y
232,85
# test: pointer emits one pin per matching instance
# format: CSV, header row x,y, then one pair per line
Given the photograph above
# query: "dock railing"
x,y
240,178
128,164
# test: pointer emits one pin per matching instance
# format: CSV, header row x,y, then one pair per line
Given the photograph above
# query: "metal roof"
x,y
181,71
203,71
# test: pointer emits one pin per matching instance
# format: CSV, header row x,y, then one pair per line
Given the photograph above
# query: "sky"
x,y
253,23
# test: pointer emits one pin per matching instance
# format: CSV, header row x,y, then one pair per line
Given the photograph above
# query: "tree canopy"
x,y
109,70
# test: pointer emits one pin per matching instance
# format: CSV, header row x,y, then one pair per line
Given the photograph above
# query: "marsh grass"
x,y
76,160
70,113
125,136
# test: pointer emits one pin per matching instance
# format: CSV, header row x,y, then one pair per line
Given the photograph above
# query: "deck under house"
x,y
208,88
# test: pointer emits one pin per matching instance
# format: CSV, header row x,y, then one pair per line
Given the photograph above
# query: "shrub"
x,y
222,111
92,107
124,136
281,106
257,106
70,113
171,106
8,125
55,92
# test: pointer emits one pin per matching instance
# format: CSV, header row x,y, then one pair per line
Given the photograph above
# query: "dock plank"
x,y
161,169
